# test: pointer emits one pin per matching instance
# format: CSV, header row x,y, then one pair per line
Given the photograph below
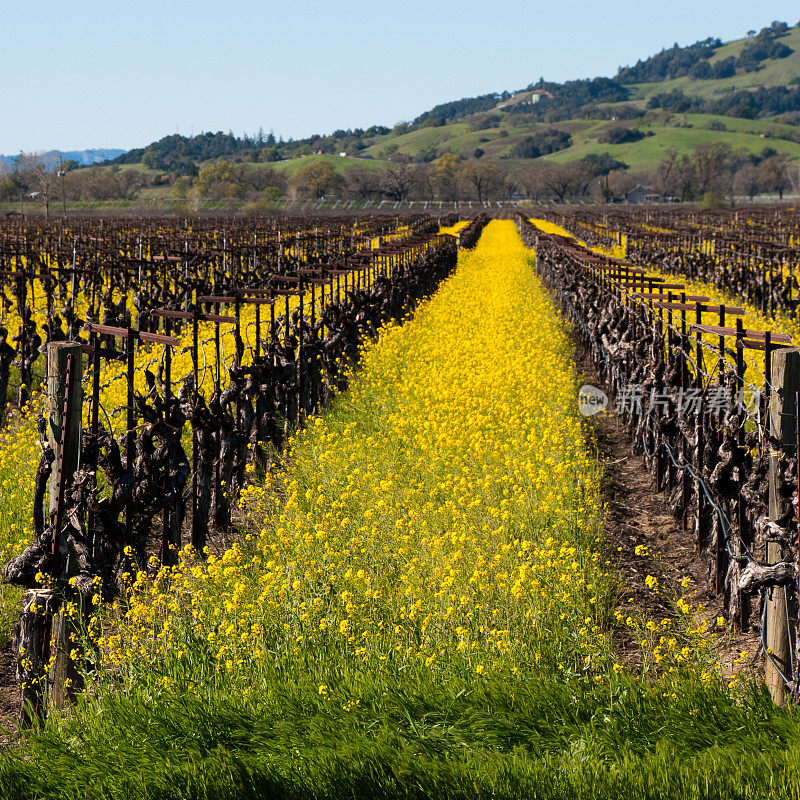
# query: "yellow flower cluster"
x,y
443,515
19,448
753,319
454,229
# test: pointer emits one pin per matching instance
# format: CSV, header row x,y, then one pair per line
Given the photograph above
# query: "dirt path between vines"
x,y
638,515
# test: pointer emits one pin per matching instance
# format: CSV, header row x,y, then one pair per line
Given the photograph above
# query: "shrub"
x,y
619,134
541,144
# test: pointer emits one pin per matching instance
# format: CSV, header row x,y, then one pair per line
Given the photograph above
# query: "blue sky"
x,y
102,74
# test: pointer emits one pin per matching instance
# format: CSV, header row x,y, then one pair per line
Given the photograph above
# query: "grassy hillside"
x,y
682,131
646,153
776,72
673,113
341,165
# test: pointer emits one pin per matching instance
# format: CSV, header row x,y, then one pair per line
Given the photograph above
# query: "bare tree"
x,y
775,173
747,180
485,178
666,177
793,171
361,183
531,181
397,181
567,180
712,160
40,171
423,182
619,184
559,179
684,178
583,176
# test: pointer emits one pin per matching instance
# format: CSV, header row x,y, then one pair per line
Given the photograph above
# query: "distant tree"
x,y
541,143
267,154
601,163
217,181
39,171
702,70
794,177
775,173
315,180
564,180
725,68
10,185
619,183
423,181
182,186
482,177
685,178
620,134
397,181
258,179
713,162
531,181
103,183
361,183
666,177
445,176
747,180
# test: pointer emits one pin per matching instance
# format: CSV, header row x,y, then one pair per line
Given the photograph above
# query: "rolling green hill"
x,y
665,125
744,93
680,131
774,72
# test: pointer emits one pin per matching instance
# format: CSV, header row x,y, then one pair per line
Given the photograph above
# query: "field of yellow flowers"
x,y
421,605
753,318
443,516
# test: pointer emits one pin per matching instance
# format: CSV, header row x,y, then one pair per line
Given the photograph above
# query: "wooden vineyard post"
x,y
34,652
64,414
44,636
785,384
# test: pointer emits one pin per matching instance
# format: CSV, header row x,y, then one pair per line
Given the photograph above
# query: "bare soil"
x,y
9,694
639,515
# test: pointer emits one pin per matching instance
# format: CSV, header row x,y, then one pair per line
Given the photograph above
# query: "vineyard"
x,y
320,507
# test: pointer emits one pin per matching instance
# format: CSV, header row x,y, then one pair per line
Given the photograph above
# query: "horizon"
x,y
202,71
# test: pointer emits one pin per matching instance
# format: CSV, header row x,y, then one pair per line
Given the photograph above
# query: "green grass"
x,y
291,166
646,153
642,156
416,738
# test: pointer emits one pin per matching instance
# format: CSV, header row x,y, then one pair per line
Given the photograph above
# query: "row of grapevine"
x,y
677,366
232,346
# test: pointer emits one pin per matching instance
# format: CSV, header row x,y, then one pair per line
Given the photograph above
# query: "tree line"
x,y
711,170
716,169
